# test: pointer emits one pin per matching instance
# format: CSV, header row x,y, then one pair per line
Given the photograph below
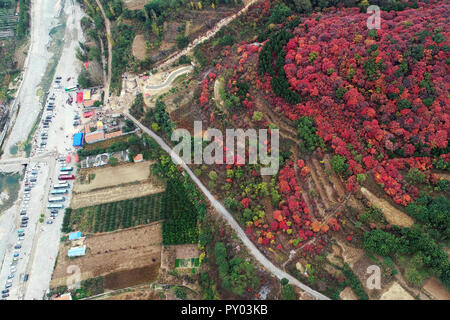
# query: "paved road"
x,y
39,158
171,77
227,215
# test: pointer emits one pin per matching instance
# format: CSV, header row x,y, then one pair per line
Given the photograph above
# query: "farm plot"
x,y
115,256
117,215
114,176
180,216
117,193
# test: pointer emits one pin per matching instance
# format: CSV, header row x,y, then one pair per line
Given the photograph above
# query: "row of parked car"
x,y
46,120
29,183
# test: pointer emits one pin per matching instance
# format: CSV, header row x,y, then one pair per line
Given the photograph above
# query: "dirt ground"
x,y
127,278
139,50
139,294
135,4
122,192
396,292
348,294
436,289
125,257
350,254
113,176
171,253
392,215
186,251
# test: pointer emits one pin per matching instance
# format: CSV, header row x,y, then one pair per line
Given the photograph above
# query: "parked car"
x,y
5,291
23,212
8,285
11,276
21,234
21,238
6,295
49,222
17,246
25,278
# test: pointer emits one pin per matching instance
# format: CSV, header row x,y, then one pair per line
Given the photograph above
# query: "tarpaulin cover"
x,y
79,97
88,114
78,139
75,235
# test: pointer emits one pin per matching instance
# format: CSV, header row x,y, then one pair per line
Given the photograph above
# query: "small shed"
x,y
77,251
74,235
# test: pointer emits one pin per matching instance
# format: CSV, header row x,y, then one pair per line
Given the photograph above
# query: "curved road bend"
x,y
171,77
227,215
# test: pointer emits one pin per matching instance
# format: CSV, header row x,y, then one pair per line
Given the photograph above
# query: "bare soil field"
x,y
350,254
396,292
171,253
139,50
113,176
186,251
436,289
128,278
135,4
348,294
392,214
121,192
135,250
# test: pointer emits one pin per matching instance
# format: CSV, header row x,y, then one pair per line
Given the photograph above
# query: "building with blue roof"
x,y
78,139
76,251
75,235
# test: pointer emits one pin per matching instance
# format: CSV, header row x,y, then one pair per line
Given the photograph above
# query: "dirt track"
x,y
392,214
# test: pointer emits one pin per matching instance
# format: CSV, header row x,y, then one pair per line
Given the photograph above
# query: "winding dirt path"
x,y
108,36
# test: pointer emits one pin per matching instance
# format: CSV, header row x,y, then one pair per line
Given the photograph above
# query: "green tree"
x,y
303,6
415,176
338,163
83,80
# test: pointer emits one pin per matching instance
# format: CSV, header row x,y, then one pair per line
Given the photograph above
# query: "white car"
x,y
21,238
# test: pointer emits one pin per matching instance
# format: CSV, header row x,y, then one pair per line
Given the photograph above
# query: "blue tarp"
x,y
77,251
78,139
75,235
